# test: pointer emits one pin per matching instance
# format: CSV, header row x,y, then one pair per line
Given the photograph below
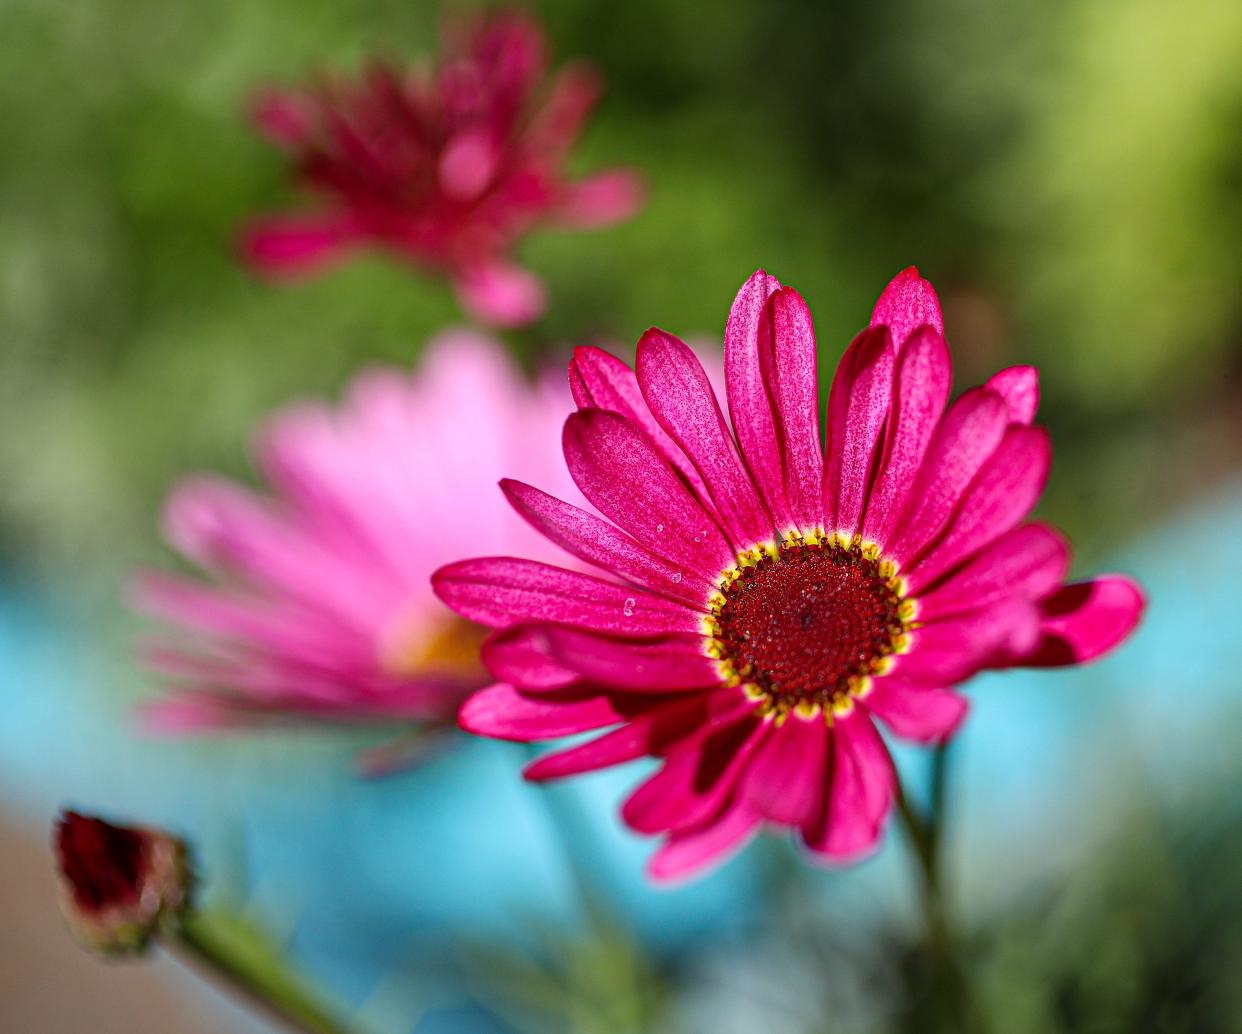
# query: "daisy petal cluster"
x,y
774,589
314,598
446,166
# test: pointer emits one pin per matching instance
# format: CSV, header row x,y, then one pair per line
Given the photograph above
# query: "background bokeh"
x,y
1069,175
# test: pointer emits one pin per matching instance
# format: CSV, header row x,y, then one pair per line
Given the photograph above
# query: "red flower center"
x,y
103,863
810,622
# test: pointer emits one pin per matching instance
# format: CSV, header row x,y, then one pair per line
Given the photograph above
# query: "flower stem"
x,y
948,981
224,953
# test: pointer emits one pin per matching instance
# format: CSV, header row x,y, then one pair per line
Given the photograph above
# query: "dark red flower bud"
x,y
118,883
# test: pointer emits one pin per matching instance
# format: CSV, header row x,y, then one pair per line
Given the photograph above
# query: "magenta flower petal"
x,y
976,632
1083,621
698,778
1002,494
601,200
623,744
601,381
908,302
621,473
788,355
900,569
201,517
750,408
260,689
233,616
857,413
499,592
774,399
286,118
857,735
239,681
690,850
505,713
504,48
651,732
297,245
221,525
680,396
186,712
966,438
315,600
922,380
925,714
191,714
786,781
521,655
467,163
1029,561
1019,387
597,542
572,95
862,782
954,648
448,165
663,665
501,294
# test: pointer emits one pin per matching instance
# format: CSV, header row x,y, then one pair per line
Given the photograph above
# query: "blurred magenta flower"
x,y
118,883
318,601
448,167
769,598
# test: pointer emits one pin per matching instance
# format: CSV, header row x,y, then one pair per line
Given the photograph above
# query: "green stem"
x,y
925,838
218,952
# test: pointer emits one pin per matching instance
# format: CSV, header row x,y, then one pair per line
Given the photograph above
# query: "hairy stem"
x,y
216,952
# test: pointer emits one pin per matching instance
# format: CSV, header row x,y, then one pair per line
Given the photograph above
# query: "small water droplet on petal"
x,y
628,609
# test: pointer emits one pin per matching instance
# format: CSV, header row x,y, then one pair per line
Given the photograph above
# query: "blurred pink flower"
x,y
448,167
769,599
318,601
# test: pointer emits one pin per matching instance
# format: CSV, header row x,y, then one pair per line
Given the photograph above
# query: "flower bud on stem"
x,y
124,888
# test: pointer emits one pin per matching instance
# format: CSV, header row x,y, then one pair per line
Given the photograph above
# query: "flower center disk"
x,y
808,625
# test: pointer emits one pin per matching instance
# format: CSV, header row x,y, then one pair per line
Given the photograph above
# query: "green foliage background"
x,y
1068,175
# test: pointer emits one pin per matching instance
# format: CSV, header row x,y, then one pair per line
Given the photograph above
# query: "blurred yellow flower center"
x,y
447,647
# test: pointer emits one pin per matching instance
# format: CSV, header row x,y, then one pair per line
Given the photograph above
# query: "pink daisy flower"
x,y
768,599
447,167
317,601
